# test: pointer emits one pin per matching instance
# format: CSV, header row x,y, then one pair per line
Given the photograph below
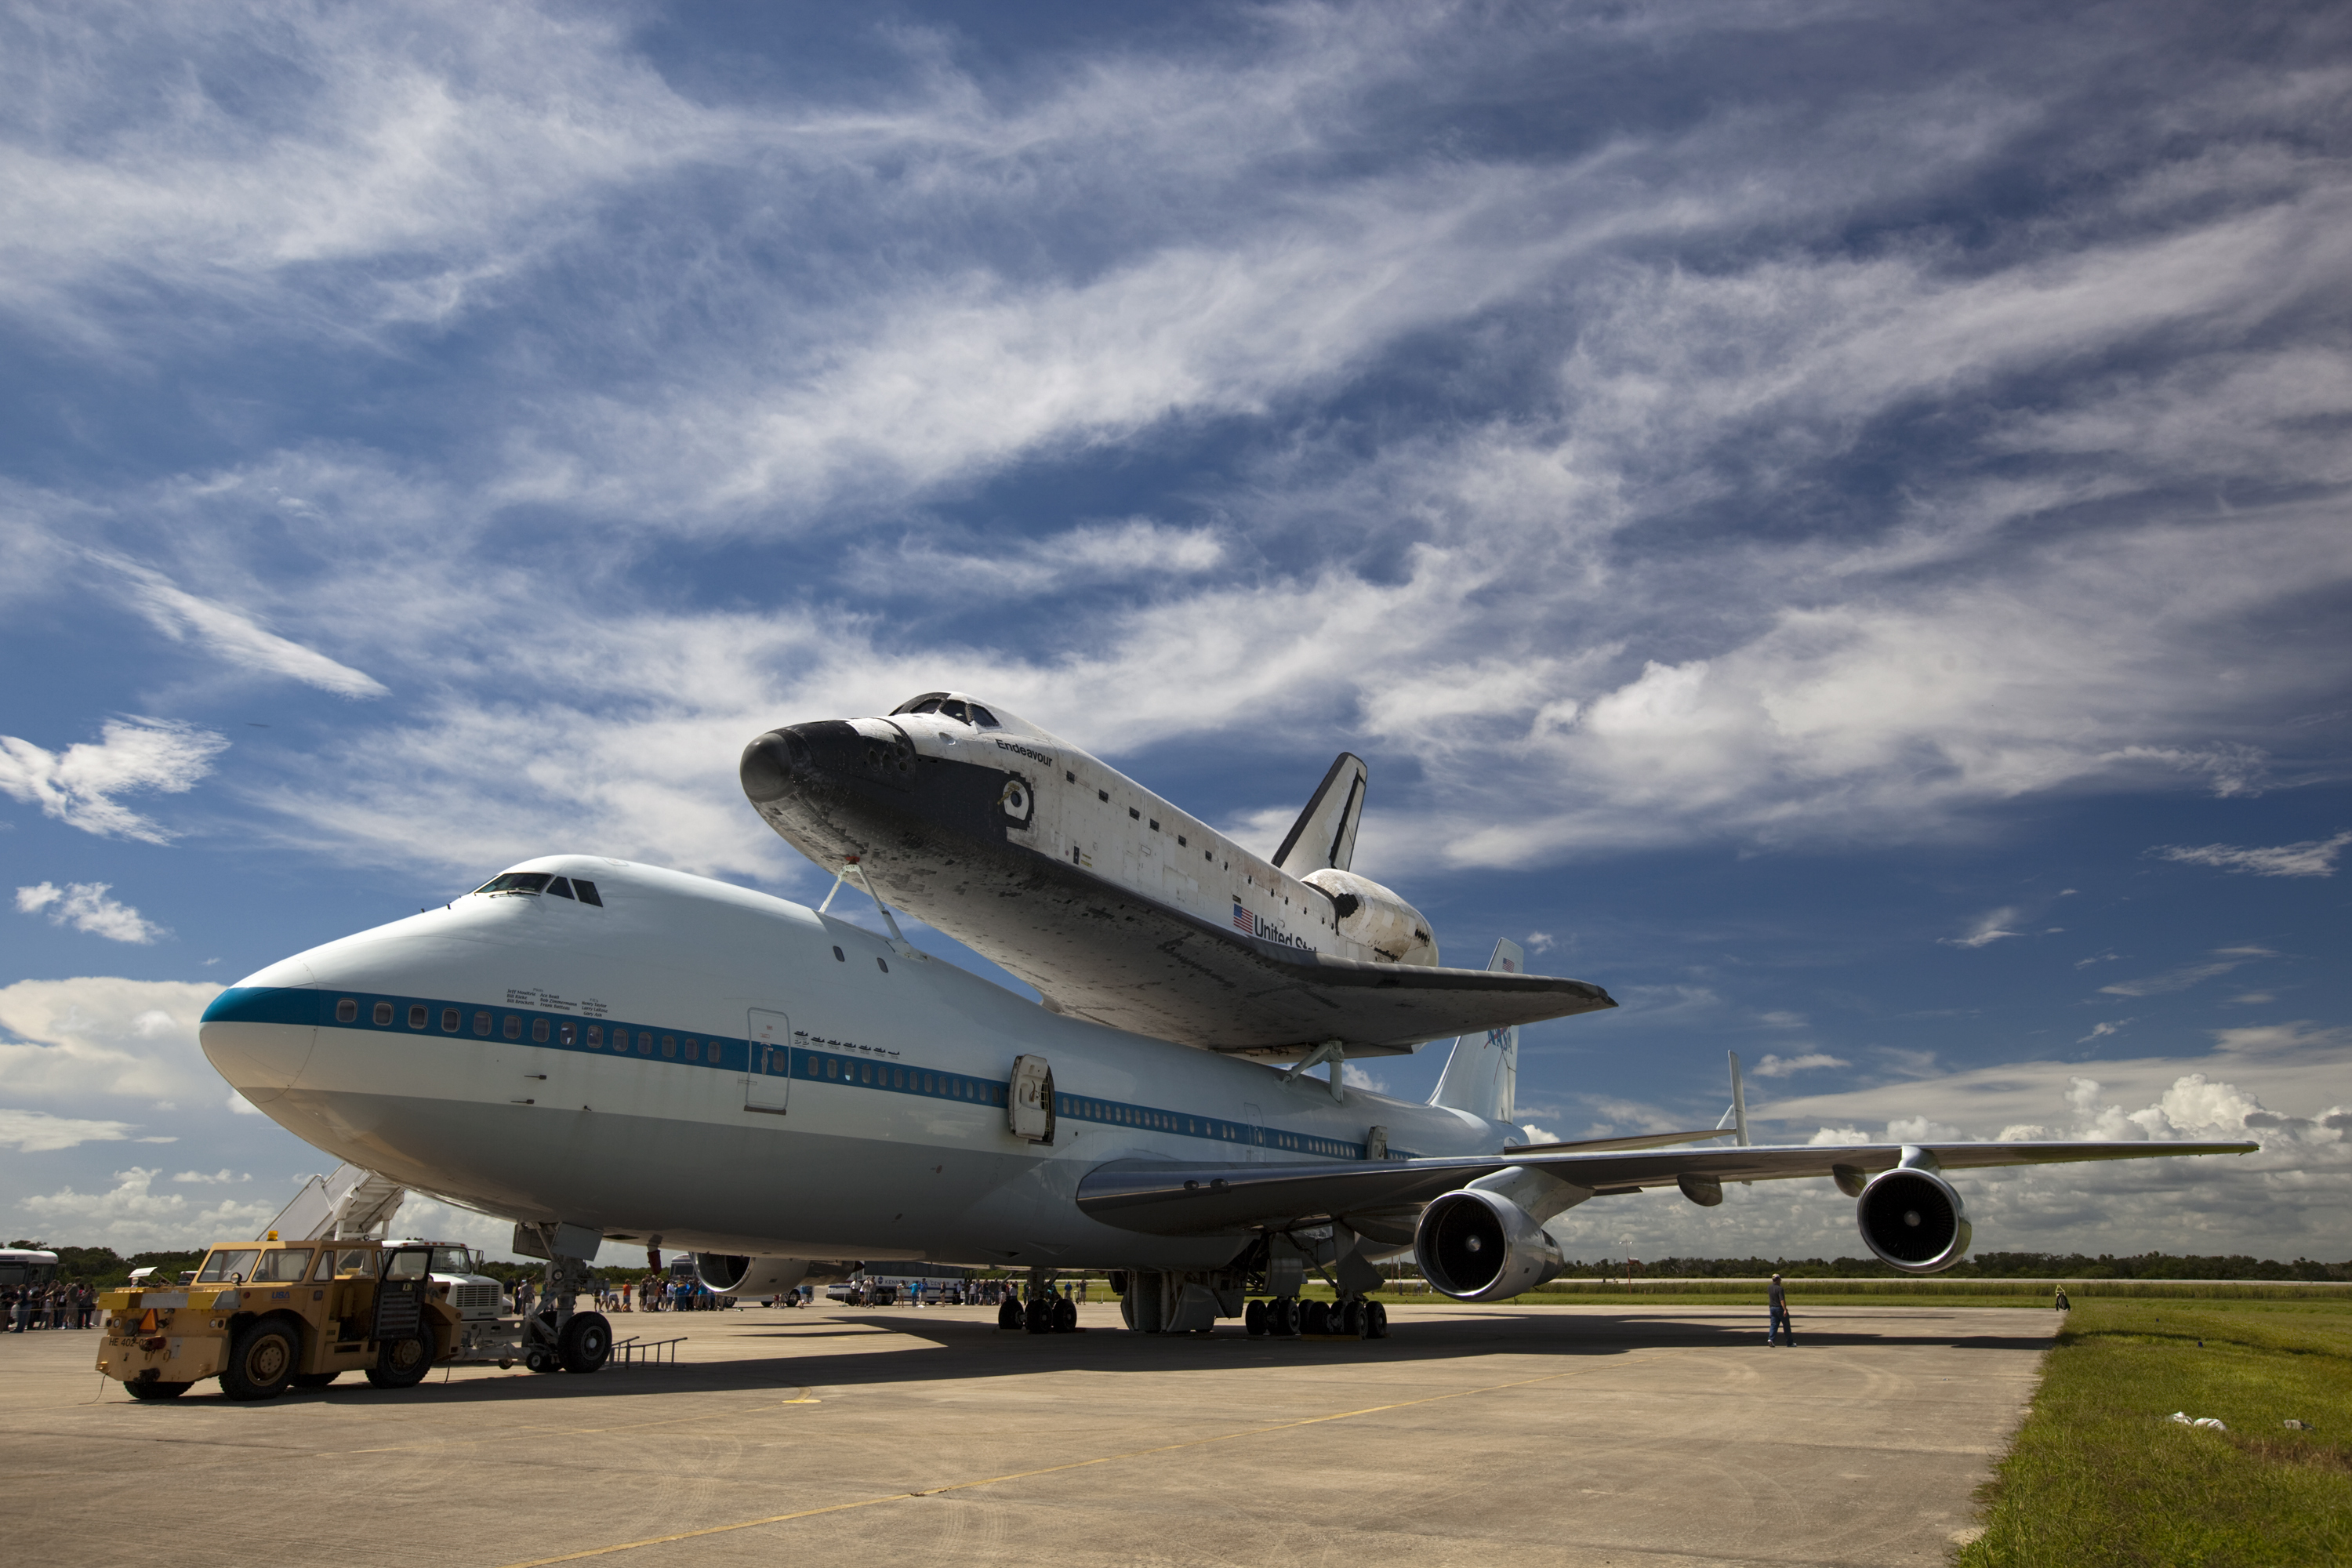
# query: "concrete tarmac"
x,y
1473,1435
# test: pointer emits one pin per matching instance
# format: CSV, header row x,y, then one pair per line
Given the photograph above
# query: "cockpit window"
x,y
928,705
560,887
983,718
954,710
517,882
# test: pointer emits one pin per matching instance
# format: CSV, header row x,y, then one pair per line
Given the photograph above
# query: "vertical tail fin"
x,y
1482,1074
1324,833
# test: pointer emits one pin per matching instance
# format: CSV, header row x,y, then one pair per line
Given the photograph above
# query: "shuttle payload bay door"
x,y
767,1075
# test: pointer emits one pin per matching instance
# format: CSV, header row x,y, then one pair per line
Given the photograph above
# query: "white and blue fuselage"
x,y
736,1073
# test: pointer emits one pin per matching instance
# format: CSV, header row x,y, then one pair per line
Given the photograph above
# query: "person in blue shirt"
x,y
1778,1299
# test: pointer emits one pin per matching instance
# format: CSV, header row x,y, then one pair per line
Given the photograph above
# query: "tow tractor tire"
x,y
1008,1313
1066,1316
1376,1320
1254,1318
587,1343
154,1391
402,1363
1038,1316
261,1361
315,1378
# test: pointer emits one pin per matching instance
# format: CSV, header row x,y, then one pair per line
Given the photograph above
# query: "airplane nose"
x,y
772,763
258,1035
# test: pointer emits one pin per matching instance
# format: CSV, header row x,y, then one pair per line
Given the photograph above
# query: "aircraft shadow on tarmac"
x,y
976,1349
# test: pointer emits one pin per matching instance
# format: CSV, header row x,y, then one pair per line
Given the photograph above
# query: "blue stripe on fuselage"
x,y
842,1066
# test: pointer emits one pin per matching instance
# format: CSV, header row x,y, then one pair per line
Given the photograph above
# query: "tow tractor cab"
x,y
264,1316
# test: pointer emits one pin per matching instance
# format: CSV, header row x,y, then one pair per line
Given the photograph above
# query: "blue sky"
x,y
1829,521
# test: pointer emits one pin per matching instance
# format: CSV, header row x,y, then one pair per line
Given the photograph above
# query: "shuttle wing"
x,y
1193,1199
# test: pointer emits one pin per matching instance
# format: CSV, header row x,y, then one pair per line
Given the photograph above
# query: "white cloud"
x,y
102,1037
2312,858
38,1132
235,638
78,787
131,1217
85,907
2223,960
1989,929
1784,1066
222,1177
2101,1031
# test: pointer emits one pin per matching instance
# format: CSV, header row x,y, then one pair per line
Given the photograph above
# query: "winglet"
x,y
1739,1101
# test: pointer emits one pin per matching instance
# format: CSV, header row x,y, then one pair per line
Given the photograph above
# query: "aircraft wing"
x,y
1192,1200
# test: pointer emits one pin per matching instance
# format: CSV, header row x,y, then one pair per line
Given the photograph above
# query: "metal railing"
x,y
634,1351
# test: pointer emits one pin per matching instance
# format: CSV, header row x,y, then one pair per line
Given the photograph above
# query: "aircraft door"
x,y
1253,1126
767,1073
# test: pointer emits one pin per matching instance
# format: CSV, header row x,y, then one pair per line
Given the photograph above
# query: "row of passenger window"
x,y
542,1031
915,1080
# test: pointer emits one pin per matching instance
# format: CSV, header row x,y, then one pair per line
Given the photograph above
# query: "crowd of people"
x,y
59,1306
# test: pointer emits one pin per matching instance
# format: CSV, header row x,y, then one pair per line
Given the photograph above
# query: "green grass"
x,y
2098,1476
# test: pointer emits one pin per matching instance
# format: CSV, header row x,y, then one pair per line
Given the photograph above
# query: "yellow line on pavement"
x,y
1046,1470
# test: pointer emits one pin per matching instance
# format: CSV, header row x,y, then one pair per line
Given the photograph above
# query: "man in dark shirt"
x,y
1779,1300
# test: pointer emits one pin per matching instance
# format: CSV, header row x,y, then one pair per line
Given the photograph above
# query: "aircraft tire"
x,y
1066,1316
1351,1321
152,1391
1253,1320
261,1361
1008,1313
1376,1320
585,1343
315,1378
1038,1316
1314,1317
1282,1315
403,1362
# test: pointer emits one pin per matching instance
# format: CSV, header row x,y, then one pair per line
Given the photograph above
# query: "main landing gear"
x,y
1046,1312
1289,1317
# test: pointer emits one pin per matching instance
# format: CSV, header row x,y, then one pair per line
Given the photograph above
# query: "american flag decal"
x,y
1245,920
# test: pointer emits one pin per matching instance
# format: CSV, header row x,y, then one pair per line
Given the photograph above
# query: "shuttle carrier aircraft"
x,y
605,1051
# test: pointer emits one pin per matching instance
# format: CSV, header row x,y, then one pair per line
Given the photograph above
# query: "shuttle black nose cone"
x,y
771,763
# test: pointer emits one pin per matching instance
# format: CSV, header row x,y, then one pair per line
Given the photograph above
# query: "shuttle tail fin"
x,y
1482,1074
1324,833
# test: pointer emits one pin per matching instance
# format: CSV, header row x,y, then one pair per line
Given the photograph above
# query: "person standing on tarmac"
x,y
1778,1299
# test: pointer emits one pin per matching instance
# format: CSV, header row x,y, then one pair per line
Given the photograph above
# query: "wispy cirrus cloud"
x,y
2311,858
2221,961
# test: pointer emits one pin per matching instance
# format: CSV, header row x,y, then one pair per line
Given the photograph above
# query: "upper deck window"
x,y
517,882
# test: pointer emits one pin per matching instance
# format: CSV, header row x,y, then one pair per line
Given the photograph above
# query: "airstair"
x,y
350,1203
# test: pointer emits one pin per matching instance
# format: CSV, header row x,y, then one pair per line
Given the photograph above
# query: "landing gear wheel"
x,y
154,1391
402,1363
585,1343
315,1378
1376,1320
1038,1318
1282,1313
261,1361
1254,1318
1314,1317
1066,1316
1351,1321
538,1358
1008,1313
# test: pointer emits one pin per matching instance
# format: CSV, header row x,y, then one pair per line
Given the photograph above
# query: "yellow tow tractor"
x,y
265,1316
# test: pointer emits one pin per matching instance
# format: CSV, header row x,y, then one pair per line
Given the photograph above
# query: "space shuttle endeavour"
x,y
1118,906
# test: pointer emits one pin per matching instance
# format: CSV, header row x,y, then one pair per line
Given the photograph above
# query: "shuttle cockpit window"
x,y
983,718
517,882
954,710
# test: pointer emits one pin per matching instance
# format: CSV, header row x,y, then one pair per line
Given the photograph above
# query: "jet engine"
x,y
731,1274
1478,1246
1913,1219
1364,911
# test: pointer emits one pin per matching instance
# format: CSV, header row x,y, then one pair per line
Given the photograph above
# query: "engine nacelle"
x,y
1477,1246
1364,911
1913,1219
731,1274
